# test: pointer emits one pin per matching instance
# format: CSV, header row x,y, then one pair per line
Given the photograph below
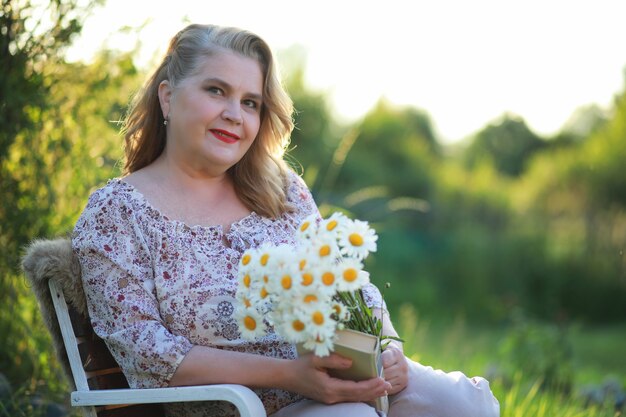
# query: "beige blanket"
x,y
45,259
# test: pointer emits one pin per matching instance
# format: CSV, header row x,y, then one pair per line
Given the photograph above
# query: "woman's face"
x,y
214,115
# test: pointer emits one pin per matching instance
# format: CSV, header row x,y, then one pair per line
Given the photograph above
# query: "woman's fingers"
x,y
396,369
367,390
332,361
332,390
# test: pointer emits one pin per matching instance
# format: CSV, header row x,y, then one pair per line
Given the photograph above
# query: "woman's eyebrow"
x,y
227,86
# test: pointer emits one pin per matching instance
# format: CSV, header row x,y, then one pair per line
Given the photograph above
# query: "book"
x,y
364,350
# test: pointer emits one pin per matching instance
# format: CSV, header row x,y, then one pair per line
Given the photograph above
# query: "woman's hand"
x,y
396,369
311,380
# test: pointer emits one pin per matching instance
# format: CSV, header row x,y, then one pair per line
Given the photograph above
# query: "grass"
x,y
596,354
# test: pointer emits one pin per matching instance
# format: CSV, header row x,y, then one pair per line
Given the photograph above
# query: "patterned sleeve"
x,y
118,281
373,298
300,197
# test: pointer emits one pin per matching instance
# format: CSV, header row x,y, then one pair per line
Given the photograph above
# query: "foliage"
x,y
314,138
77,132
32,41
394,148
508,144
49,152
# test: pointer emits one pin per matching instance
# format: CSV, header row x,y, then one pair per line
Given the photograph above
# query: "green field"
x,y
595,357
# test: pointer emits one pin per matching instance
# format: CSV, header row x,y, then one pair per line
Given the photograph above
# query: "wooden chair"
x,y
100,387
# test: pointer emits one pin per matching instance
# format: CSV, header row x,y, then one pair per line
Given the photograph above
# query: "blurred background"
x,y
484,141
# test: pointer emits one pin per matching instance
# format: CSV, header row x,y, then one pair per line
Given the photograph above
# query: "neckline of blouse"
x,y
215,229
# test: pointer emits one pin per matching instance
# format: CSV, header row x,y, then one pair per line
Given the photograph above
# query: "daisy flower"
x,y
303,257
279,257
247,280
341,313
243,298
247,260
294,329
357,239
307,278
350,275
284,282
308,227
321,346
323,249
260,296
250,323
325,278
332,225
317,316
263,255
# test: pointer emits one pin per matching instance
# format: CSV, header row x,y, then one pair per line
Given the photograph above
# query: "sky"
x,y
465,63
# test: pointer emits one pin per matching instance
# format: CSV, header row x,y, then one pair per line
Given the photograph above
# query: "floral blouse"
x,y
156,286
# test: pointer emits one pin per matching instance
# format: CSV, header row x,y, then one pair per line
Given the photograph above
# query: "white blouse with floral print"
x,y
156,286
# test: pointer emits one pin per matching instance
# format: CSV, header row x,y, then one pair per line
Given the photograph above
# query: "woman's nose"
x,y
232,112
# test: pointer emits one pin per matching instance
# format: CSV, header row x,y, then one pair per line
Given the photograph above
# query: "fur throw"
x,y
45,259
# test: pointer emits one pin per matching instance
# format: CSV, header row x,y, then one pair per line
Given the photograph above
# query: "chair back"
x,y
54,273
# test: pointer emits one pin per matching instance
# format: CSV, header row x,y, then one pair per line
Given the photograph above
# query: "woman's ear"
x,y
165,95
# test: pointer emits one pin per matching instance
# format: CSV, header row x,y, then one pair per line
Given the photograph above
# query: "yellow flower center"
x,y
355,239
304,226
264,292
337,308
298,326
328,278
331,225
307,279
286,282
350,274
249,322
325,250
247,302
246,259
318,318
309,298
264,259
302,264
266,279
246,280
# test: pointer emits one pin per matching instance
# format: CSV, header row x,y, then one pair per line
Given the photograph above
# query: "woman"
x,y
159,248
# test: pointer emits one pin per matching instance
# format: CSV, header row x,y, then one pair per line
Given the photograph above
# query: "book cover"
x,y
364,350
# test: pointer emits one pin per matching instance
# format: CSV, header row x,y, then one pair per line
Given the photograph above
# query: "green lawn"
x,y
589,356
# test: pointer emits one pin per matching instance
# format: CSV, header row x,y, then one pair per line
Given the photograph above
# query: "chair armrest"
x,y
246,401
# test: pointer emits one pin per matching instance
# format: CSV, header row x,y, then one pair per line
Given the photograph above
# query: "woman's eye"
x,y
251,103
215,90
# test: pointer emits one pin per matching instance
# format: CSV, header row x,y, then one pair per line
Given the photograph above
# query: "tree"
x,y
33,39
315,135
394,148
508,144
42,113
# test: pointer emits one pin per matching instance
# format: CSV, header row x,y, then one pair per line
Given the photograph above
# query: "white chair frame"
x,y
243,398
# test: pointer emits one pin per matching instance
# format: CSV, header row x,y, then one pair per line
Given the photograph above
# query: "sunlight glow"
x,y
465,63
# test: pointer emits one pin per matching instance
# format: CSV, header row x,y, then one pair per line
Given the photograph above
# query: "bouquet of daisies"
x,y
309,291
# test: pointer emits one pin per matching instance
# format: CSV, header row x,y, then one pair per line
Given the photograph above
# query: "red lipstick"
x,y
224,135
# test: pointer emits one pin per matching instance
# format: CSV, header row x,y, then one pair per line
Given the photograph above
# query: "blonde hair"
x,y
260,176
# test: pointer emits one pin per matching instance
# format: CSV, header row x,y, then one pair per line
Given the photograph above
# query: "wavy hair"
x,y
260,177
